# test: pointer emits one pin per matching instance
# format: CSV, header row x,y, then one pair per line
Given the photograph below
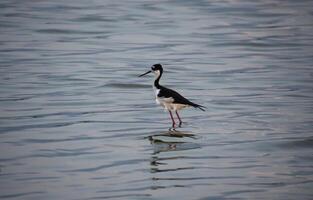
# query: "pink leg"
x,y
173,122
180,121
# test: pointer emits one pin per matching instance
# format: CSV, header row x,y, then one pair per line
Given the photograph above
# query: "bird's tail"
x,y
198,106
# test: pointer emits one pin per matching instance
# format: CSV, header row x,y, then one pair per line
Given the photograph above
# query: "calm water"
x,y
75,119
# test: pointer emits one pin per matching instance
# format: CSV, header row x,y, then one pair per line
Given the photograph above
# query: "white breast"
x,y
156,91
167,103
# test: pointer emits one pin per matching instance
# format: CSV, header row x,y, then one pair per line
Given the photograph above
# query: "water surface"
x,y
76,121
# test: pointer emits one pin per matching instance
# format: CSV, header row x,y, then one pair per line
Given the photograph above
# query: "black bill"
x,y
144,73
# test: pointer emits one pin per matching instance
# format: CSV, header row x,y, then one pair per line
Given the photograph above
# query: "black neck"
x,y
156,82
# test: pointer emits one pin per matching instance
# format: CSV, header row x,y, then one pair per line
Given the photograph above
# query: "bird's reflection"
x,y
173,133
172,140
164,159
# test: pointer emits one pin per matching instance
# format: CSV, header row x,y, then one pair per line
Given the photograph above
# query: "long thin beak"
x,y
145,73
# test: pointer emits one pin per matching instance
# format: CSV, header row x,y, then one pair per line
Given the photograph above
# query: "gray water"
x,y
76,121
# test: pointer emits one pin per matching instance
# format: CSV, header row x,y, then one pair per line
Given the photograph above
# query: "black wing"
x,y
167,93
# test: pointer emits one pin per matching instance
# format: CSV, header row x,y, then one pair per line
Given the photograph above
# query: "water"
x,y
76,121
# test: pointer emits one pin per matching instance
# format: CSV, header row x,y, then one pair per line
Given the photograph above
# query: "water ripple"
x,y
76,121
115,164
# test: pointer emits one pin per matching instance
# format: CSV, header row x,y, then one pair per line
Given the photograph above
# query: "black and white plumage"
x,y
169,99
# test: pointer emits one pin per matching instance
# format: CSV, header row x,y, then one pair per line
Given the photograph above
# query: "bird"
x,y
171,100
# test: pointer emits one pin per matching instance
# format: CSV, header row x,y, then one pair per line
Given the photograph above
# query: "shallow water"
x,y
76,121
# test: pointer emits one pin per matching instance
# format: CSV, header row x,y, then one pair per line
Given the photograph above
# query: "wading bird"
x,y
169,99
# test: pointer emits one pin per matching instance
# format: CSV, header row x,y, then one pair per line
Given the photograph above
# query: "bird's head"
x,y
156,68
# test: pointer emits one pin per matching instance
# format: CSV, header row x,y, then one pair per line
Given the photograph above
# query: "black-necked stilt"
x,y
169,99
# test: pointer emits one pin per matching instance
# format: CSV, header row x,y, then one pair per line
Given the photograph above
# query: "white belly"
x,y
167,103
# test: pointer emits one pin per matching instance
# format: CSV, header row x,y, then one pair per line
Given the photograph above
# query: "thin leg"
x,y
180,121
173,122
